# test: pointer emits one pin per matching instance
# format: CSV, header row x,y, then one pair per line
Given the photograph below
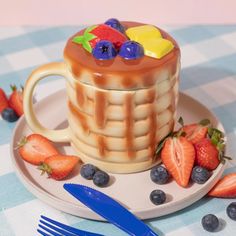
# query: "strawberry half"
x,y
3,100
207,154
16,100
178,156
59,166
96,33
36,148
225,188
195,132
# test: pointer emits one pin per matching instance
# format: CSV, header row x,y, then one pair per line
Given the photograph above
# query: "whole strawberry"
x,y
3,100
207,154
16,100
210,150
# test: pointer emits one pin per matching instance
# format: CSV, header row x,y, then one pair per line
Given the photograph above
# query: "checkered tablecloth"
x,y
208,74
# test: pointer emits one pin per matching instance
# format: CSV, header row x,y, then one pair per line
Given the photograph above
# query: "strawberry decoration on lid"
x,y
94,34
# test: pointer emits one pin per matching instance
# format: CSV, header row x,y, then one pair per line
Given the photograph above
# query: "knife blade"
x,y
109,209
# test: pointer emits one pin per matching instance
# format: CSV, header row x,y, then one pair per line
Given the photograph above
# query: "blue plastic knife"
x,y
109,209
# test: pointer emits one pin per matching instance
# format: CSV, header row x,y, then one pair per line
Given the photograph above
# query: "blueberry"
x,y
231,210
88,170
157,197
159,175
114,23
104,50
200,175
210,222
9,115
101,178
130,50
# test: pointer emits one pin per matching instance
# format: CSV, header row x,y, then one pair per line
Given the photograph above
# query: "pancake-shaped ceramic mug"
x,y
118,111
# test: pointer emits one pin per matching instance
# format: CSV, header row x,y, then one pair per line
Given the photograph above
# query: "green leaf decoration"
x,y
88,37
87,46
90,28
78,39
85,38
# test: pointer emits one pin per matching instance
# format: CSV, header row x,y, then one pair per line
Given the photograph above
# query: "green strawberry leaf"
x,y
204,122
162,142
181,121
78,39
90,28
88,37
87,46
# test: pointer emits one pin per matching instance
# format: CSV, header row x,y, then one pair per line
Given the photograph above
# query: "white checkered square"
x,y
222,91
26,58
24,218
191,56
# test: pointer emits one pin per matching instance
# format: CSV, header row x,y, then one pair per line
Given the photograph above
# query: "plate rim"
x,y
140,212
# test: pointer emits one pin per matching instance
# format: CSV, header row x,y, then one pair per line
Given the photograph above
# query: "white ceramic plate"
x,y
131,190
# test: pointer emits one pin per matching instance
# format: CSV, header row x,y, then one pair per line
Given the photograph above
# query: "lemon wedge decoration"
x,y
143,33
157,48
151,39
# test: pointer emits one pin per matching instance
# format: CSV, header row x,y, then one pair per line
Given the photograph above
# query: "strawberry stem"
x,y
162,142
13,87
22,88
21,143
205,122
226,157
45,168
181,121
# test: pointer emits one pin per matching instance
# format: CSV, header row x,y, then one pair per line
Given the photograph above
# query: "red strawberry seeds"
x,y
35,149
225,188
16,101
178,156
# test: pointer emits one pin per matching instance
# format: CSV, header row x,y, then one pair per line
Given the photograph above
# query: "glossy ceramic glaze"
x,y
118,110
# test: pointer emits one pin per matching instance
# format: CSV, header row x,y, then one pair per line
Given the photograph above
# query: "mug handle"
x,y
55,68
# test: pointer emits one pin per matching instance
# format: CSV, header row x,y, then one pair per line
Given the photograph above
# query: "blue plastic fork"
x,y
49,227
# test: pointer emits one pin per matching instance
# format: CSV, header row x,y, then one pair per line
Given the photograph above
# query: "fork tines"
x,y
50,227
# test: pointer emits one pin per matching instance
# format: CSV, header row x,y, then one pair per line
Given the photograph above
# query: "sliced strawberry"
x,y
207,154
16,100
59,166
105,32
225,188
178,156
36,148
195,132
3,100
96,33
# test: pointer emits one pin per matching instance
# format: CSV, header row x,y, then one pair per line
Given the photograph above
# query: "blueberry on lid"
x,y
114,23
131,50
104,50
